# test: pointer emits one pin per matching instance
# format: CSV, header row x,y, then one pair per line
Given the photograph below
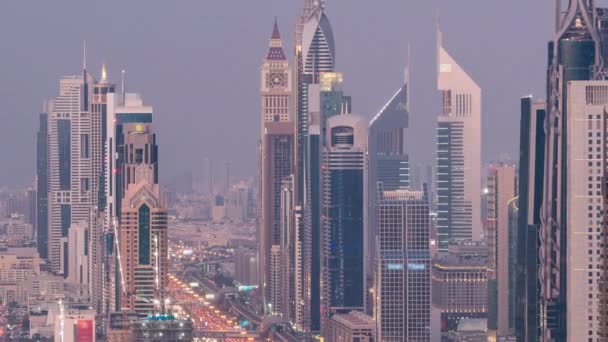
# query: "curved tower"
x,y
318,46
458,153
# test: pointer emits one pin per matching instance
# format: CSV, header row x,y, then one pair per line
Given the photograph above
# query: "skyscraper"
x,y
122,110
314,54
42,186
388,160
403,275
342,215
501,194
531,169
458,153
143,232
570,216
276,156
70,163
97,237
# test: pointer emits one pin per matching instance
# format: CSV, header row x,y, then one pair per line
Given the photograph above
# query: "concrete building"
x,y
458,153
143,236
18,263
78,257
403,277
501,194
246,266
460,288
351,327
73,324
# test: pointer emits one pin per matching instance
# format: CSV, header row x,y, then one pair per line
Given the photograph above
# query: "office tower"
x,y
288,248
314,54
69,163
572,200
227,177
276,155
501,195
342,215
460,287
458,153
120,326
403,275
246,266
142,236
388,161
122,110
352,326
99,153
531,169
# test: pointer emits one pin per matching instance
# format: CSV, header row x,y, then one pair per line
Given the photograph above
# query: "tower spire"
x,y
104,74
408,76
275,50
84,55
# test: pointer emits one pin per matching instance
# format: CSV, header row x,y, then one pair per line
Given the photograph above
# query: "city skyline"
x,y
188,63
462,208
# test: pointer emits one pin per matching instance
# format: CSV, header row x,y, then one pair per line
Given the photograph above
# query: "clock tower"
x,y
276,231
276,82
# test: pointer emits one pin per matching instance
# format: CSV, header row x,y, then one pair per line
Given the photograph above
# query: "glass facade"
x,y
144,235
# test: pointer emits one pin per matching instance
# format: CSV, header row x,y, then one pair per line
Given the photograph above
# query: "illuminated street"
x,y
209,321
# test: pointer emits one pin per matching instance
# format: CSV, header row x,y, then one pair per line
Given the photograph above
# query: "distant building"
x,y
120,326
18,264
246,266
74,324
351,327
42,185
460,288
162,328
78,256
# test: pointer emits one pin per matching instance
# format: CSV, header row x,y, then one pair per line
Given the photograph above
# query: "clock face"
x,y
276,80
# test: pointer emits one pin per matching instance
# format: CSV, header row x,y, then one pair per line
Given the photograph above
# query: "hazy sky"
x,y
197,62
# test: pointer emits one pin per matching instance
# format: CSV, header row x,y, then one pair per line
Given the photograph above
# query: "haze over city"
x,y
198,62
304,170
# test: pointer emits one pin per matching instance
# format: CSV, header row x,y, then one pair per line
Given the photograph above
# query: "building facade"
x,y
143,241
458,153
403,271
501,194
314,55
388,162
342,215
531,169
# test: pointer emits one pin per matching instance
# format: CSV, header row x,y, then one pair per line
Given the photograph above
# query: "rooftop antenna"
x,y
407,76
439,37
84,55
558,15
123,85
